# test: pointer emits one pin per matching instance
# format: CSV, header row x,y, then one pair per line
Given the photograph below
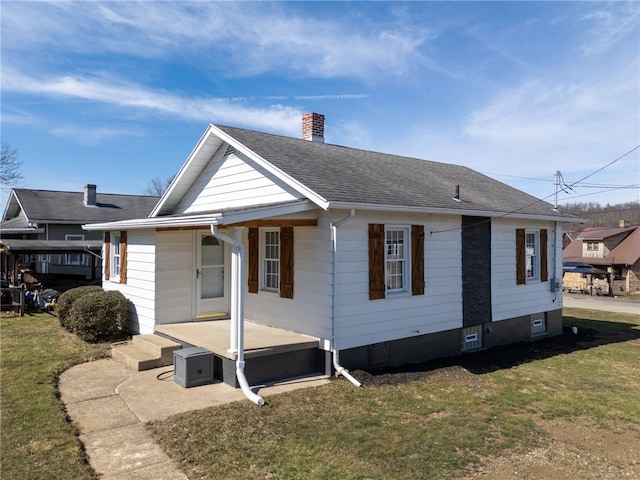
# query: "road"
x,y
616,304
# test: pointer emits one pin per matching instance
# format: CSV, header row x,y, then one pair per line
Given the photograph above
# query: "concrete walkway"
x,y
109,404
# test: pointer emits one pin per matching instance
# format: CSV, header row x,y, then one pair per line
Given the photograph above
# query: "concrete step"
x,y
161,346
145,352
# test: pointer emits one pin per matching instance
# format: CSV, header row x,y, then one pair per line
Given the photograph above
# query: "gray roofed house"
x,y
41,231
373,259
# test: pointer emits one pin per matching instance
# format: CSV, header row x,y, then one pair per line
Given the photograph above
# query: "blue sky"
x,y
117,93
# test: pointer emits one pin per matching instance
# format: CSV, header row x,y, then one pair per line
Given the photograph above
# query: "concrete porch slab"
x,y
259,340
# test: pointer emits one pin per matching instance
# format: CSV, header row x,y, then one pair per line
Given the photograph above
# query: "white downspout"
x,y
237,308
336,360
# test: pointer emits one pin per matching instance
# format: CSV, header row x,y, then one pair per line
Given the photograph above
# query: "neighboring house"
x,y
41,235
604,260
384,259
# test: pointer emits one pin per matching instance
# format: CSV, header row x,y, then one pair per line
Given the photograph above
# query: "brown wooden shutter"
x,y
286,262
544,269
107,255
417,259
376,261
521,276
123,257
254,252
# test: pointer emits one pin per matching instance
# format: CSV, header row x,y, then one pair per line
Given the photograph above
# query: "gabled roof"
x,y
342,177
627,252
55,207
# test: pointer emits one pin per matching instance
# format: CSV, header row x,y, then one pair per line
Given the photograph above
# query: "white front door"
x,y
211,283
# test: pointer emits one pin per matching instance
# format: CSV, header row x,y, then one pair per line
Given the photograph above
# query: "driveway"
x,y
608,304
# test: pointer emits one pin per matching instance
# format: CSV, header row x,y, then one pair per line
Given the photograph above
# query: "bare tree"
x,y
157,186
10,167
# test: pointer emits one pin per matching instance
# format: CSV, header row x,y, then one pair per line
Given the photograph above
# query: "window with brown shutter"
x,y
254,255
107,255
376,261
417,259
521,276
286,262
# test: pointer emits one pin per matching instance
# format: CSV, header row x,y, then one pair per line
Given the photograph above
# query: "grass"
x,y
432,423
429,421
37,440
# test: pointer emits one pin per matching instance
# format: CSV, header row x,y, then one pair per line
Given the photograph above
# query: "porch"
x,y
271,354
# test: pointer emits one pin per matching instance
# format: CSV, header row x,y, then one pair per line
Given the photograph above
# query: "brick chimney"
x,y
90,196
313,127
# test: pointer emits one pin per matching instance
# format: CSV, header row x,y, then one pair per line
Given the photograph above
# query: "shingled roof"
x,y
352,176
55,207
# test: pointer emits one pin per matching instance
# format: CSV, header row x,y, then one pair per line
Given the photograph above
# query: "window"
x,y
271,261
592,246
396,260
115,255
74,258
531,256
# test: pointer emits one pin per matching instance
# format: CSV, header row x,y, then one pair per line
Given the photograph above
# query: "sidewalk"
x,y
609,304
109,404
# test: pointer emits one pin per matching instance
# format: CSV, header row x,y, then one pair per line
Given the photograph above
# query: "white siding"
x,y
361,321
175,281
140,287
310,310
233,181
510,300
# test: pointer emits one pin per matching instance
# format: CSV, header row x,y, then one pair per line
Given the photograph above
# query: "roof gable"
x,y
342,177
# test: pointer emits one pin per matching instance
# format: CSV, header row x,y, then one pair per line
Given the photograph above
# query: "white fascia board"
x,y
14,202
293,183
451,211
193,165
158,222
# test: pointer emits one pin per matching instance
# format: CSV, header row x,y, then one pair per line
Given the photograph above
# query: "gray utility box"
x,y
192,366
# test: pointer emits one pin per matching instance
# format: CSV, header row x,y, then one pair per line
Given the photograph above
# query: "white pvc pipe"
x,y
237,308
336,360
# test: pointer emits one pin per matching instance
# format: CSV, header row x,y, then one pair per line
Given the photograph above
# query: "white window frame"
x,y
532,255
74,258
115,260
270,280
397,261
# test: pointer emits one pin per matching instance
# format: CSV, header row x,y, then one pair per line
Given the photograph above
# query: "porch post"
x,y
238,295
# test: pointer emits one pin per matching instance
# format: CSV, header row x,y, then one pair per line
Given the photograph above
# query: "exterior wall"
x,y
310,309
140,287
360,321
226,181
510,300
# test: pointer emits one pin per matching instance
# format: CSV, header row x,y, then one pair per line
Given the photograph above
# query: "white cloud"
x,y
607,24
111,91
252,37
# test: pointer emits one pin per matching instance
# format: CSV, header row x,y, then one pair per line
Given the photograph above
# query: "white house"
x,y
383,259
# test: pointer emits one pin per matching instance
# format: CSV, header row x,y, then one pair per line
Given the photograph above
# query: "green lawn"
x,y
37,440
430,421
427,423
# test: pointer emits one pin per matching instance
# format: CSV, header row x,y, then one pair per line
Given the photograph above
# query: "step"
x,y
145,352
135,357
160,346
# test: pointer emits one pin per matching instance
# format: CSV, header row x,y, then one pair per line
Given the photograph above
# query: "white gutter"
x,y
336,358
237,308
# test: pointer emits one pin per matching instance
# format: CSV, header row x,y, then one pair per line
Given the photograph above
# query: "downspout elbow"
x,y
244,385
340,370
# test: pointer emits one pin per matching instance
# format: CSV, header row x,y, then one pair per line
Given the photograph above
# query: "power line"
x,y
548,196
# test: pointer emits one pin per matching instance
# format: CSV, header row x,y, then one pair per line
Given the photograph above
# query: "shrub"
x,y
98,316
68,298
